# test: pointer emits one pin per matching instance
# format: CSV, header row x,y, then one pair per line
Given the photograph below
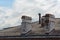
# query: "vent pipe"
x,y
39,18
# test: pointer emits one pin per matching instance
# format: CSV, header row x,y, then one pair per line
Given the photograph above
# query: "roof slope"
x,y
15,31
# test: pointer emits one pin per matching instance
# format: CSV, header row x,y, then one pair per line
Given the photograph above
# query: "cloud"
x,y
44,4
12,17
7,18
33,7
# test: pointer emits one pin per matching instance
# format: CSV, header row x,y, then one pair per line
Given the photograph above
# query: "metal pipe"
x,y
39,18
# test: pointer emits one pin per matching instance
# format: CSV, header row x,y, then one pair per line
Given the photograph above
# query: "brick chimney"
x,y
50,23
26,24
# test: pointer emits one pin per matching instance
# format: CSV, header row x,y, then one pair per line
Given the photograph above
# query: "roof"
x,y
15,31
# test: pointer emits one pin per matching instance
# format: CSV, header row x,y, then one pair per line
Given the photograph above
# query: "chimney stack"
x,y
39,18
26,25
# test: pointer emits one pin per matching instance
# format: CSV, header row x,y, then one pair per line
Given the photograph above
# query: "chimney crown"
x,y
26,17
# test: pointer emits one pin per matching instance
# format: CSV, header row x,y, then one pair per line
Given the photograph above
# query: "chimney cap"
x,y
26,17
48,15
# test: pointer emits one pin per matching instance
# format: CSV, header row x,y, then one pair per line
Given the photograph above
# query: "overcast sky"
x,y
12,10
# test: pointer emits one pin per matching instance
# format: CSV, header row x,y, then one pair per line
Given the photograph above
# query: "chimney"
x,y
26,24
39,18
